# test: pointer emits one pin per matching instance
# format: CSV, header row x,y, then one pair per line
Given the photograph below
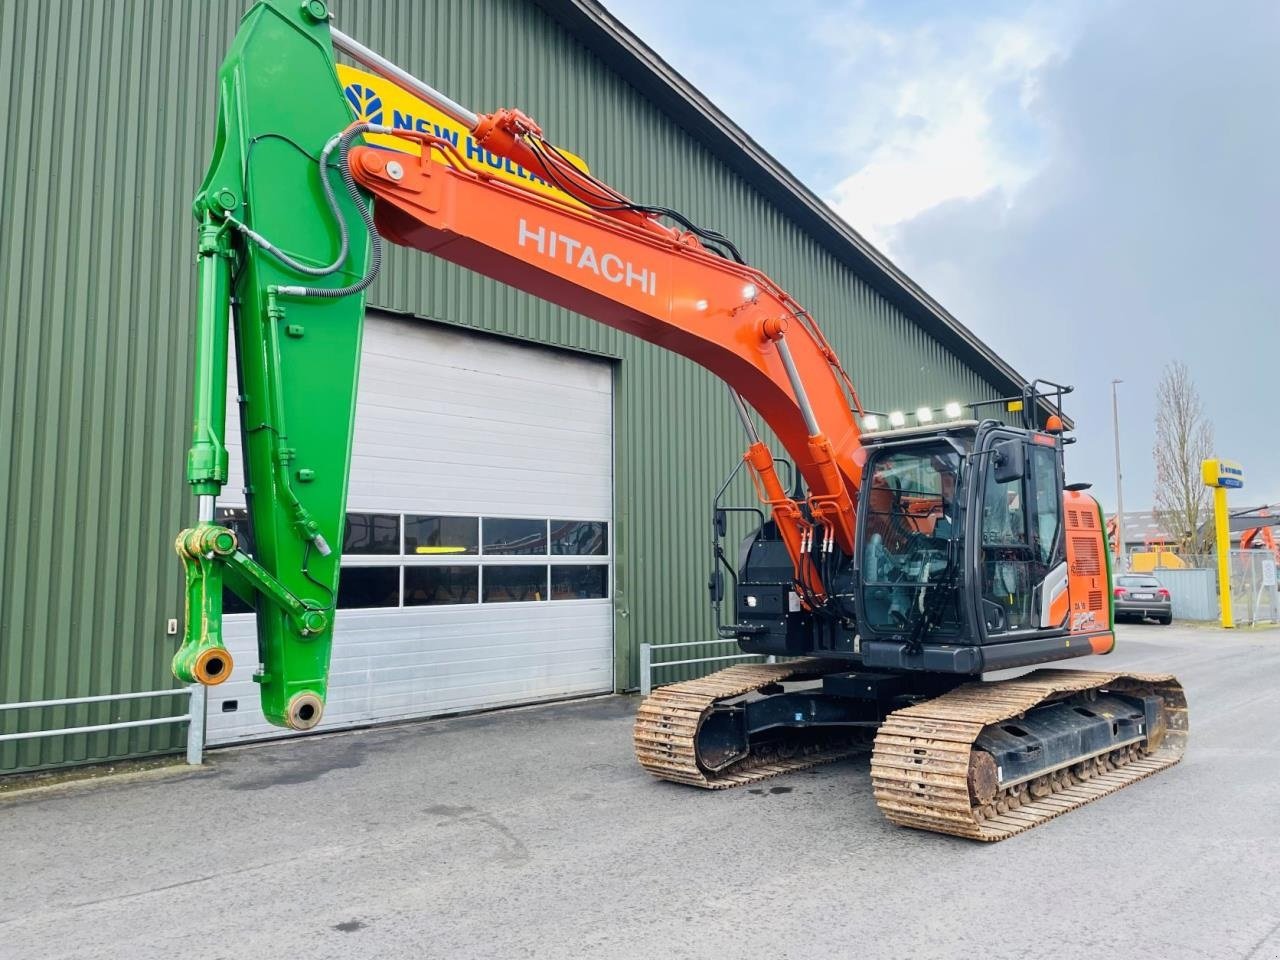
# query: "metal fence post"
x,y
646,669
195,727
1269,582
1254,596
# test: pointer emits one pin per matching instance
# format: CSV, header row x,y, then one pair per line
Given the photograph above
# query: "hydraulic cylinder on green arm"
x,y
295,306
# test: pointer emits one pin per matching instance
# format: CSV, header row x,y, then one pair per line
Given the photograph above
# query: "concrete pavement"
x,y
532,833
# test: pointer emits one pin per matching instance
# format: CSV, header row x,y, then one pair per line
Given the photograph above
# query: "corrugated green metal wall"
x,y
109,123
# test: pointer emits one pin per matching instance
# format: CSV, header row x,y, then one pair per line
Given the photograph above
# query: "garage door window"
x,y
372,533
515,583
507,537
579,581
365,587
579,537
429,536
437,584
393,560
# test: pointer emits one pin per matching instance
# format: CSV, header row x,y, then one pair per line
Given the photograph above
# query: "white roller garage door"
x,y
477,567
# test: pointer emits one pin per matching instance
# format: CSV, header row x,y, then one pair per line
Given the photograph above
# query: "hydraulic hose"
x,y
343,142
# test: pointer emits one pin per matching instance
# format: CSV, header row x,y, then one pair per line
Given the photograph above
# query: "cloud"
x,y
721,54
939,111
886,109
1147,235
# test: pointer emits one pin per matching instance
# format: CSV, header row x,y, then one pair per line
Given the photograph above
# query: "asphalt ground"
x,y
532,833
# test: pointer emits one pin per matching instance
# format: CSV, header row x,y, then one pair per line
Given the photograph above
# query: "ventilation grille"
x,y
1095,599
1082,519
1086,560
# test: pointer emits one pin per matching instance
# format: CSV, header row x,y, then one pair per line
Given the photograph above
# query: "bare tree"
x,y
1183,439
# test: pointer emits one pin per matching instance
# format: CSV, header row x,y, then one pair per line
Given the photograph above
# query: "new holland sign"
x,y
1222,473
380,101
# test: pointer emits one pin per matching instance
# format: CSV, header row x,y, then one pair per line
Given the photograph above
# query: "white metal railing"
x,y
647,666
194,717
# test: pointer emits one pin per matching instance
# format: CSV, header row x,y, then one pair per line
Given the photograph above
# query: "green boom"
x,y
297,356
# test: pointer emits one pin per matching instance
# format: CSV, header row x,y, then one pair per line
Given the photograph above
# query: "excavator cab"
x,y
970,555
961,561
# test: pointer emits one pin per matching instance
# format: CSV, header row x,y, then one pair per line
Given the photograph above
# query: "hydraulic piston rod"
x,y
834,511
797,386
753,435
383,67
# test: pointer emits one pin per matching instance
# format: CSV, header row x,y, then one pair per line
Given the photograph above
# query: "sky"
x,y
1091,187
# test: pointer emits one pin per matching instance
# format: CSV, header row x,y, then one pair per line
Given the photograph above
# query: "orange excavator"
x,y
1260,537
892,570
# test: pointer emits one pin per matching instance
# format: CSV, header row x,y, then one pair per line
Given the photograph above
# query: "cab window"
x,y
1003,517
911,526
1021,535
1008,594
1046,503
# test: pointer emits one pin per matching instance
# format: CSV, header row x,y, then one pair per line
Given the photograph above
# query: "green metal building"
x,y
110,123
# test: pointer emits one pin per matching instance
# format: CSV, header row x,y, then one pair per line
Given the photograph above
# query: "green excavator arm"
x,y
287,247
282,262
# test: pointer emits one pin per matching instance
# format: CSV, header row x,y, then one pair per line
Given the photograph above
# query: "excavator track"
x,y
926,773
668,721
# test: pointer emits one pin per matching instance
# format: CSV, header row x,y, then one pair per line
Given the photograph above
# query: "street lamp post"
x,y
1115,423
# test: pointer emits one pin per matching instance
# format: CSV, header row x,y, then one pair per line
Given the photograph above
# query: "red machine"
x,y
1261,536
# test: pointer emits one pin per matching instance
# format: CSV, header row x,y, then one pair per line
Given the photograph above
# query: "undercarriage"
x,y
983,760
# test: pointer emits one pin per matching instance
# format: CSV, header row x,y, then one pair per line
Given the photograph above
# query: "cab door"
x,y
1016,551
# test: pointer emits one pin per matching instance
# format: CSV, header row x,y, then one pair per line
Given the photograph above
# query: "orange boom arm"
x,y
649,281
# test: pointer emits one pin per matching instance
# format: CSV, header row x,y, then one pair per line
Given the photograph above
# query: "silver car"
x,y
1141,595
